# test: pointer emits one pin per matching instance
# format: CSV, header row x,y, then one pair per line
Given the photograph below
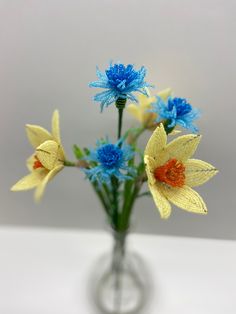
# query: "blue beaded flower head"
x,y
176,111
110,160
120,81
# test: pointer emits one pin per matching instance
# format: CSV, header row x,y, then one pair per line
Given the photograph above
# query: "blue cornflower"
x,y
120,81
111,160
176,111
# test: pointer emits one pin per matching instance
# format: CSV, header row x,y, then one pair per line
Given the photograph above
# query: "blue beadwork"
x,y
120,81
110,160
177,111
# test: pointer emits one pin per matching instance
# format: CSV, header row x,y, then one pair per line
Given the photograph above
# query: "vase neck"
x,y
120,238
119,245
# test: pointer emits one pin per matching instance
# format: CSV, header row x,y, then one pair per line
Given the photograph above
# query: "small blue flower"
x,y
111,160
120,81
177,111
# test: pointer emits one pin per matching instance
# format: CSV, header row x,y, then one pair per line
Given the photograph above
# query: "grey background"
x,y
49,50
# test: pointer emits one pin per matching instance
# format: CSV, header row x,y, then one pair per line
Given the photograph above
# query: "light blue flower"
x,y
120,81
110,160
176,111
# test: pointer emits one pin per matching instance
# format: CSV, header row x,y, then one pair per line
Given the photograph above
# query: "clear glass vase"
x,y
121,284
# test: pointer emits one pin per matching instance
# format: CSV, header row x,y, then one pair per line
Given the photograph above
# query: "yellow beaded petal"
x,y
56,126
181,148
156,142
135,112
145,101
56,132
165,93
37,135
30,162
185,198
150,166
49,154
161,202
175,132
198,172
30,181
41,187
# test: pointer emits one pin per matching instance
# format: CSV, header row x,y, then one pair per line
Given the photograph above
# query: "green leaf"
x,y
148,193
78,152
141,168
86,151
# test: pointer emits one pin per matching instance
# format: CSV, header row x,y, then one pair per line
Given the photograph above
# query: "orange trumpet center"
x,y
37,164
172,173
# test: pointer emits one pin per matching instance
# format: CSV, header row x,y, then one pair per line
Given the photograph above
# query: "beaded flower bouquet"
x,y
118,169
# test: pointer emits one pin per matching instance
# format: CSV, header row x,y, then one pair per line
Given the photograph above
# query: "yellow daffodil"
x,y
47,160
171,174
140,111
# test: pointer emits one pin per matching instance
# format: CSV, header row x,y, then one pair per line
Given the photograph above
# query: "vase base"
x,y
124,291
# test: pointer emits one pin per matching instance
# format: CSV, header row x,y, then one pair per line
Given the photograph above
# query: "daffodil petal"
x,y
156,142
41,187
181,148
30,181
56,126
150,166
162,204
30,162
175,132
49,154
56,131
140,111
37,135
185,198
165,93
134,111
198,172
145,101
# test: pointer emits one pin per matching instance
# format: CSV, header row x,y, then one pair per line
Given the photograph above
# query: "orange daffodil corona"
x,y
47,160
172,174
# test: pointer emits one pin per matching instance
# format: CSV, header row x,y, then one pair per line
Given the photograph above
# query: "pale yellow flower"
x,y
140,111
47,160
171,174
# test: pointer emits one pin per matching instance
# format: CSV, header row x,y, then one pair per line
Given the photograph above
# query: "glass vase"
x,y
121,284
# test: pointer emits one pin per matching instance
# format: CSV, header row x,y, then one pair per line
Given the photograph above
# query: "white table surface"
x,y
45,271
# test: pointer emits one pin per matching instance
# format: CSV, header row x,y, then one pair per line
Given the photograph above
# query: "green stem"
x,y
108,193
140,132
167,128
147,193
137,134
115,209
102,199
120,105
128,206
127,194
120,123
127,197
68,163
131,193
